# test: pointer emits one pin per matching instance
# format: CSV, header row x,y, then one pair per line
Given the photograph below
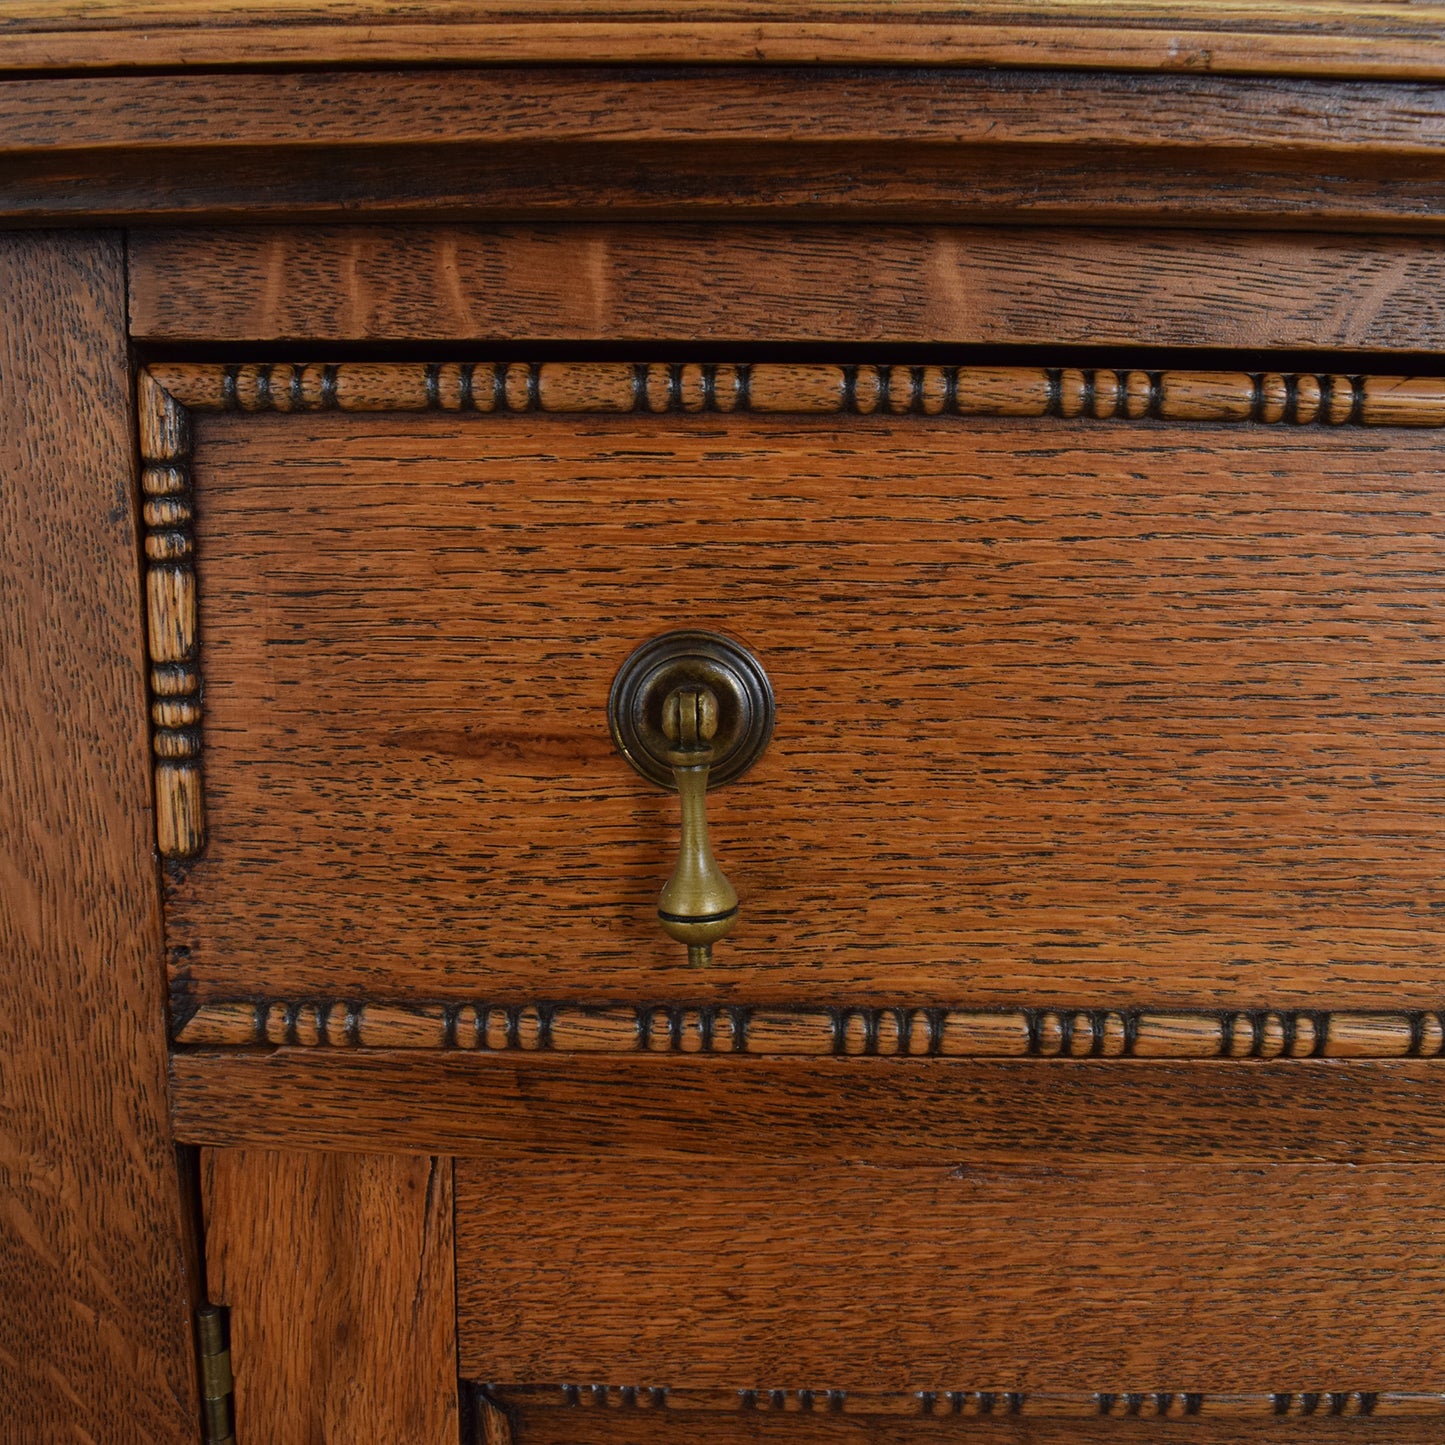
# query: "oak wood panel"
x,y
1072,714
1322,37
895,1111
338,1272
555,1427
730,182
726,143
714,105
93,1304
748,284
1063,1275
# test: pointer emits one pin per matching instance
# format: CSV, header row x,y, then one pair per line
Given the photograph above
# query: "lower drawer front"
x,y
611,1301
1067,1276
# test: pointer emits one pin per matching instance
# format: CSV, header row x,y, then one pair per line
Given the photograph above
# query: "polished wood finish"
x,y
630,1415
798,388
1088,714
1076,1073
689,1109
526,108
724,144
337,1269
1319,37
1067,1275
1388,1425
744,285
172,624
94,1308
967,1404
811,1032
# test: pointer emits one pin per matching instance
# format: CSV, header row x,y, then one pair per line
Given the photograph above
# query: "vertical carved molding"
x,y
172,619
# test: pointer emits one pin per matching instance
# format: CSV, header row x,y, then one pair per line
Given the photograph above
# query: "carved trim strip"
x,y
1334,399
841,1032
171,620
1153,1404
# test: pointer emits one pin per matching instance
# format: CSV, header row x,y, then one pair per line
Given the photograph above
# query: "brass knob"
x,y
691,710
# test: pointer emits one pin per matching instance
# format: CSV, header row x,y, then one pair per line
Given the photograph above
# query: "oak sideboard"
x,y
722,723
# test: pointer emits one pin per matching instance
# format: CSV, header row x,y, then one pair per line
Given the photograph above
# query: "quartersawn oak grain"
x,y
337,1269
749,284
228,115
694,1108
1064,1275
171,618
1089,715
94,1305
1318,37
724,144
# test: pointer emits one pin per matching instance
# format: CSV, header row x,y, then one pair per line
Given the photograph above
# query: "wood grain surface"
x,y
677,1029
804,388
556,1427
1067,1275
722,143
95,1342
1070,714
220,115
171,618
751,284
624,1402
338,1272
628,1415
894,1111
1318,37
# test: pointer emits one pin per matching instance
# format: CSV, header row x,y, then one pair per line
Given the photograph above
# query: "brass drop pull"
x,y
698,905
693,710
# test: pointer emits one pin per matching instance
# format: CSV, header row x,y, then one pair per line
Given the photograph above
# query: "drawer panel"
x,y
1070,711
1064,1275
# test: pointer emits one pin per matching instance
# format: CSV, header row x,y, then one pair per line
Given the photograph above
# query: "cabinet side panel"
x,y
93,1306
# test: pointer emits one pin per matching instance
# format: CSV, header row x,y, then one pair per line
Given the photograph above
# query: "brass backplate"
x,y
736,678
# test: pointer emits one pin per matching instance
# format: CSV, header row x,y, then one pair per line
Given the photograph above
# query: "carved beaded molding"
x,y
169,393
819,1032
1152,1404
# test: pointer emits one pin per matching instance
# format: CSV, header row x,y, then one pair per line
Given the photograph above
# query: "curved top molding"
x,y
1315,38
680,133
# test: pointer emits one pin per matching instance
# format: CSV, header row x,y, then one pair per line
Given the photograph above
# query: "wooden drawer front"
x,y
1071,711
619,1300
1064,1276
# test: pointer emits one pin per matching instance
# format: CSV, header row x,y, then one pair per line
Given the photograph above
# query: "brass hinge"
x,y
216,1386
